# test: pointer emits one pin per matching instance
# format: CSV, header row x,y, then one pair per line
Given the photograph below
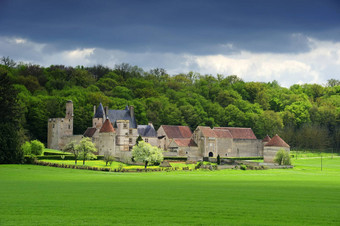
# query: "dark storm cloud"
x,y
196,27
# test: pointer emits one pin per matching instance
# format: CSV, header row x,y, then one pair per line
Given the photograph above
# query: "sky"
x,y
290,41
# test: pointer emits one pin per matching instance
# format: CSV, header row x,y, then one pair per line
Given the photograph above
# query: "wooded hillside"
x,y
305,116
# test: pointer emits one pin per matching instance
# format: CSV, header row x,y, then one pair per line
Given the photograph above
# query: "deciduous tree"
x,y
144,152
86,149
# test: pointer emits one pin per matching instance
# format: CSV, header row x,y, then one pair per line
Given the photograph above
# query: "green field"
x,y
305,195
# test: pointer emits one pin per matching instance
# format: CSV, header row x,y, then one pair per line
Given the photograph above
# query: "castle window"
x,y
173,149
69,120
124,126
130,131
69,126
53,125
130,140
146,140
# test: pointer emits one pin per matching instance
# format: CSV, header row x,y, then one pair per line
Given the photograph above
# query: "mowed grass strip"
x,y
38,195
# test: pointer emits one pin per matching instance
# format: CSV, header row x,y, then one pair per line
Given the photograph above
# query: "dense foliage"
x,y
305,116
10,117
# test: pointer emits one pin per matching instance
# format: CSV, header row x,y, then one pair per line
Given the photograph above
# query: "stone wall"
x,y
269,153
224,147
106,142
247,148
152,140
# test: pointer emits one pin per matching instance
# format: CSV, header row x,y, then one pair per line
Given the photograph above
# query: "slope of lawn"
x,y
305,195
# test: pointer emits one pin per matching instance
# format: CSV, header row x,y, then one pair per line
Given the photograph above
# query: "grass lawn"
x,y
305,195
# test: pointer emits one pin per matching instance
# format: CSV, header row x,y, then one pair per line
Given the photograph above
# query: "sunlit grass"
x,y
39,195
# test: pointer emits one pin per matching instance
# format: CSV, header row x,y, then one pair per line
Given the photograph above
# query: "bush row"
x,y
120,169
249,167
243,158
175,158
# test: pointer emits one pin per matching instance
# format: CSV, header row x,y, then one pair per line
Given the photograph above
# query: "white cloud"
x,y
317,65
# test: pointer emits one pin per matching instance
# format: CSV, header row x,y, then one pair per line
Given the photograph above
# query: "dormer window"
x,y
124,126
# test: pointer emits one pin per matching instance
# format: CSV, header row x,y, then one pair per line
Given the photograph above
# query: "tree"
x,y
8,61
144,152
33,148
37,147
108,158
86,149
10,151
71,147
218,160
139,138
282,157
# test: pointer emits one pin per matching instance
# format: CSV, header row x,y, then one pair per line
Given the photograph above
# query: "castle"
x,y
116,132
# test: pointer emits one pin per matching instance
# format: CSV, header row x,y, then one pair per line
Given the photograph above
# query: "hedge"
x,y
56,157
243,158
175,158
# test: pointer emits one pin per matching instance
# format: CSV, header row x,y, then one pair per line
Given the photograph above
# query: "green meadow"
x,y
41,195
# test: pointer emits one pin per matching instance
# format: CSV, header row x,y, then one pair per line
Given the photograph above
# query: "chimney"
x,y
106,109
94,109
150,124
132,111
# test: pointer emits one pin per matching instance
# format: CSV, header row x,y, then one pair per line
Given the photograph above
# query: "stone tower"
x,y
59,129
107,139
99,117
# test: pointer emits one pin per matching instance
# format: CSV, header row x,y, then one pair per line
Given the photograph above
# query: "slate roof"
x,y
99,112
89,132
107,127
266,139
239,133
115,115
177,131
146,131
187,142
277,142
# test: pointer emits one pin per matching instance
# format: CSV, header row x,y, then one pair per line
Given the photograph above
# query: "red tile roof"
x,y
207,131
266,139
185,142
89,132
177,131
221,133
239,133
277,142
107,127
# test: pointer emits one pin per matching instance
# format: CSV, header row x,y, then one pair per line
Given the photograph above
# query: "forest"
x,y
305,116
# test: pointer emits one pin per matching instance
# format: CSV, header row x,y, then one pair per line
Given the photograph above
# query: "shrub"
x,y
243,167
250,167
282,157
199,164
33,148
218,160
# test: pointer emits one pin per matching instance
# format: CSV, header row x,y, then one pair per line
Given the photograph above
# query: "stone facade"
x,y
116,132
60,130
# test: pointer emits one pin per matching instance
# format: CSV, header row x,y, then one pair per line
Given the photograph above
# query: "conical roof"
x,y
107,127
99,112
266,138
277,142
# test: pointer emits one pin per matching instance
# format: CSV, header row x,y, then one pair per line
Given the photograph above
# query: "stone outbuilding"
x,y
167,133
184,148
272,147
148,134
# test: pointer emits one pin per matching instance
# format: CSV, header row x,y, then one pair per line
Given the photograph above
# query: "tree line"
x,y
305,116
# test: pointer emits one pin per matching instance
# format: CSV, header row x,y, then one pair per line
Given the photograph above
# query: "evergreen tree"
x,y
10,151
